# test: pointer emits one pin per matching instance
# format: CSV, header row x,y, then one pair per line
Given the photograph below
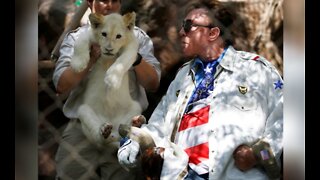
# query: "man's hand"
x,y
128,152
152,162
95,53
244,158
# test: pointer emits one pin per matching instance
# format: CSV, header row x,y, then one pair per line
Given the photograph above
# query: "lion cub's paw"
x,y
138,120
80,62
106,129
113,80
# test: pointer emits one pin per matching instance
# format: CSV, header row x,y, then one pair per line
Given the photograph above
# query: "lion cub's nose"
x,y
108,50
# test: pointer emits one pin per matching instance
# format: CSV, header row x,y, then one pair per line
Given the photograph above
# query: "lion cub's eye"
x,y
118,36
104,34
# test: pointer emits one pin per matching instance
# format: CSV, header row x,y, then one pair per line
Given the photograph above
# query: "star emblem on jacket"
x,y
208,70
278,84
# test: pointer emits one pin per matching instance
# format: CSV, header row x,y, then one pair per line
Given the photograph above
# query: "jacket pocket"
x,y
242,97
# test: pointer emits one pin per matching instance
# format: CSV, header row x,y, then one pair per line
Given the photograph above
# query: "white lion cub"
x,y
106,101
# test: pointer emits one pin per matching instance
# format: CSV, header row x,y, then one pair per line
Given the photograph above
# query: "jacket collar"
x,y
227,62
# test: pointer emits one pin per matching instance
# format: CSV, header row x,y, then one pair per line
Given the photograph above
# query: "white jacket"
x,y
235,118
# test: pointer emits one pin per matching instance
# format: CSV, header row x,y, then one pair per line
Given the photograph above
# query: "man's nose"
x,y
109,3
182,32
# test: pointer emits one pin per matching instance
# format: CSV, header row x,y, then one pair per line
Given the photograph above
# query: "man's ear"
x,y
95,20
129,19
214,33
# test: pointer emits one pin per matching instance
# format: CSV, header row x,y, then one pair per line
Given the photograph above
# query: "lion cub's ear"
x,y
129,20
95,19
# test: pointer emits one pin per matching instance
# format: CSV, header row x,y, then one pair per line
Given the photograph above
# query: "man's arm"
x,y
148,71
147,76
244,155
64,77
69,79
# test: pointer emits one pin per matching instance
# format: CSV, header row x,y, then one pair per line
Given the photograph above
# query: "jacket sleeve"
x,y
165,115
175,158
160,126
146,49
273,133
159,122
66,52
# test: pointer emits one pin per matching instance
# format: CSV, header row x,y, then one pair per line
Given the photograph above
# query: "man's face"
x,y
194,41
105,7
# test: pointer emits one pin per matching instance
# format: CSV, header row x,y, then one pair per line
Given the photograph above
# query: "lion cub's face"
x,y
113,31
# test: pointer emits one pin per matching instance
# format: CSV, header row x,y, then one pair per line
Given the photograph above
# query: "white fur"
x,y
106,97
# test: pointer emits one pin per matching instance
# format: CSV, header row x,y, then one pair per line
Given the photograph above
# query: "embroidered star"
x,y
278,84
207,70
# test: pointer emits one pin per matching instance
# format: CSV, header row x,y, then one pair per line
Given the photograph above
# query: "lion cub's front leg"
x,y
114,75
81,54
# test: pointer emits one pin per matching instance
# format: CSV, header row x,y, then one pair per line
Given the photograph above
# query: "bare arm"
x,y
148,71
69,79
147,76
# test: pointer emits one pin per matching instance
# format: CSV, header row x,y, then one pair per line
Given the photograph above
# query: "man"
x,y
221,111
76,157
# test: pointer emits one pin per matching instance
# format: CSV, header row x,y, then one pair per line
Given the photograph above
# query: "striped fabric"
x,y
193,132
192,135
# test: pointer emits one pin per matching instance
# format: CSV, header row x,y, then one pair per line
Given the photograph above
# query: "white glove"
x,y
127,153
